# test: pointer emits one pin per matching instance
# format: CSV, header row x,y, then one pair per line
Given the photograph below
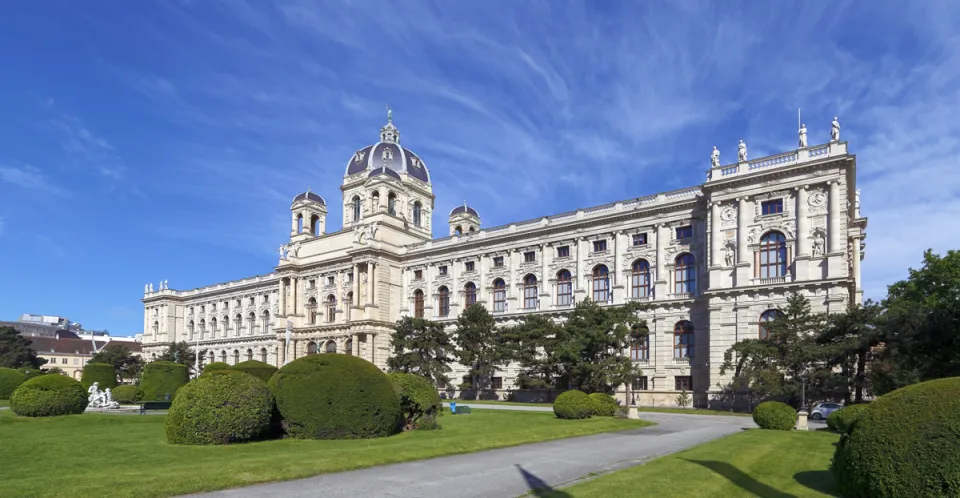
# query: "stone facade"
x,y
714,256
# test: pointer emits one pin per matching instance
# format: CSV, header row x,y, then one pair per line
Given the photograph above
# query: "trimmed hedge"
x,y
904,444
221,407
775,415
603,404
127,394
48,395
258,369
573,405
10,379
161,378
842,420
419,400
104,374
335,396
31,372
212,367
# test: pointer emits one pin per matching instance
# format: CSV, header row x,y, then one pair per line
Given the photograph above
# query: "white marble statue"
x,y
835,130
151,286
363,288
357,234
100,399
818,244
146,288
803,135
370,231
376,203
108,397
294,250
728,254
283,251
715,157
742,152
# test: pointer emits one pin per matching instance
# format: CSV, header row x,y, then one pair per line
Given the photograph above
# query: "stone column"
x,y
482,284
295,282
512,265
580,278
283,296
855,253
544,292
834,219
803,223
356,286
615,273
372,276
355,344
716,259
456,288
743,254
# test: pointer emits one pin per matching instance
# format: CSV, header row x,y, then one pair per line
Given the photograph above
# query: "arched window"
x,y
251,323
331,347
331,308
249,354
315,224
375,202
765,318
299,223
640,351
203,328
265,322
443,300
356,208
226,325
311,348
564,288
348,305
640,279
530,292
418,303
685,274
773,255
312,310
470,293
263,355
416,213
236,357
213,327
190,330
156,328
223,356
212,357
458,230
348,346
601,284
499,296
392,203
683,340
237,324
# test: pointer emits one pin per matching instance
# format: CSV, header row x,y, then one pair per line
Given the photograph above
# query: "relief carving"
x,y
728,216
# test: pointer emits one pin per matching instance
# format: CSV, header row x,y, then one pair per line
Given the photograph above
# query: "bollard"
x,y
802,420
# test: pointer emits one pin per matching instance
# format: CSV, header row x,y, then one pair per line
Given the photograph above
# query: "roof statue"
x,y
742,152
803,135
715,157
835,130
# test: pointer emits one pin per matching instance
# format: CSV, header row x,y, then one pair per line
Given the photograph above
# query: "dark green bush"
x,y
217,365
104,374
31,372
258,369
841,420
335,396
127,394
603,404
419,400
906,443
220,407
48,395
775,415
573,405
161,378
10,379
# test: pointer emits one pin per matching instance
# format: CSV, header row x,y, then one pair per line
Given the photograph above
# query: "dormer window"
x,y
387,154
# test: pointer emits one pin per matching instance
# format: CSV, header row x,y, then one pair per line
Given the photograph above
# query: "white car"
x,y
823,410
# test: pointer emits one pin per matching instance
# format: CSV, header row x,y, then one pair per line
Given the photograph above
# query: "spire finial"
x,y
389,114
464,203
308,189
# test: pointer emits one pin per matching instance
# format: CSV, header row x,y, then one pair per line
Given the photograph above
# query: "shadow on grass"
x,y
818,480
743,480
539,487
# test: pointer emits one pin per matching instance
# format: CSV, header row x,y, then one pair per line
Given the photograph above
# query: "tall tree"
x,y
847,342
127,365
15,351
179,352
531,345
478,347
421,347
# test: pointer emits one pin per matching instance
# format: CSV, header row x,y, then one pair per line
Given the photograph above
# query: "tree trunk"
x,y
858,381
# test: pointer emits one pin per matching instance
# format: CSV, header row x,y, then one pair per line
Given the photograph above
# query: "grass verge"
x,y
470,402
4,402
756,462
132,458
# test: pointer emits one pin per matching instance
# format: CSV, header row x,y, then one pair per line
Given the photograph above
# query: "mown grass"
x,y
470,402
777,464
127,455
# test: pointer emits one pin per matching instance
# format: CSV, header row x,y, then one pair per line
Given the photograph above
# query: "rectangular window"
x,y
63,361
599,245
253,301
563,252
468,266
640,239
641,350
213,307
683,383
442,270
496,382
684,232
331,280
498,262
266,298
441,385
417,274
771,207
640,383
529,257
76,361
313,284
201,309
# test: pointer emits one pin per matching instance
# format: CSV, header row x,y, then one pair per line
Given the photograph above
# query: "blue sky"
x,y
142,141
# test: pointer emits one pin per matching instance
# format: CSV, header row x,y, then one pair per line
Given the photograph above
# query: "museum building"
x,y
713,263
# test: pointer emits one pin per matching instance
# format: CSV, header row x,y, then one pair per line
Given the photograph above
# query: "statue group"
x,y
100,399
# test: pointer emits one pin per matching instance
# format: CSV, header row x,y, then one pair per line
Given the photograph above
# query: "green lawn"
x,y
470,402
127,455
771,464
4,402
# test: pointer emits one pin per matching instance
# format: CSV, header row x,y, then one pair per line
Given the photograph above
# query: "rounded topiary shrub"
x,y
419,400
48,395
775,415
258,369
603,404
220,407
127,394
217,365
104,374
906,443
841,420
10,379
573,405
334,396
161,378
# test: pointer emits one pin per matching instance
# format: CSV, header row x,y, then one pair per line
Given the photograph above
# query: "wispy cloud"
x,y
28,177
87,147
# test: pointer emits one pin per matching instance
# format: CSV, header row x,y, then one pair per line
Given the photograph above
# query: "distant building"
x,y
70,352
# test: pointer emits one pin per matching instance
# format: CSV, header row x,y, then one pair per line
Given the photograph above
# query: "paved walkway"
x,y
510,471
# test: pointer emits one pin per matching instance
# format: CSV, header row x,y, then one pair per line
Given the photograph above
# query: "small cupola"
x,y
308,216
464,220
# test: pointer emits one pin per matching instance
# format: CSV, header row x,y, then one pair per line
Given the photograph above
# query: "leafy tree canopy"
x,y
127,365
421,347
15,351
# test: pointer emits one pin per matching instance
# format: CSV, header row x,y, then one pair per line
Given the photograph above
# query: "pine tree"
x,y
847,342
421,347
15,351
478,346
530,344
179,352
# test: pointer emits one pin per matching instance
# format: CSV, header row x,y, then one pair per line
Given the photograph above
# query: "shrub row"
x,y
161,378
104,374
258,369
127,394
